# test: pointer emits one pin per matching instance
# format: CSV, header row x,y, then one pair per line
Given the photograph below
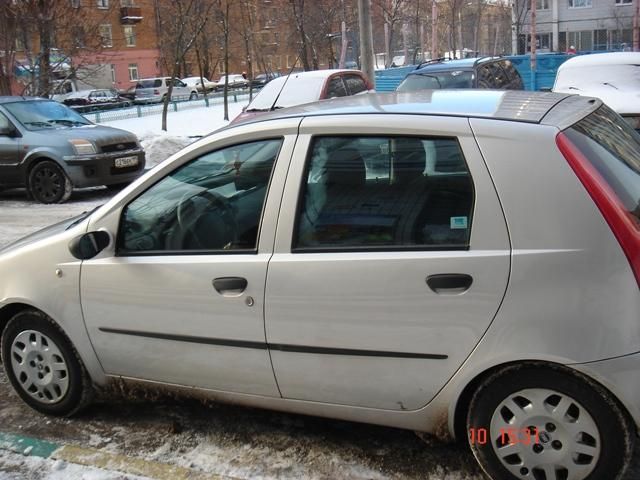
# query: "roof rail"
x,y
433,60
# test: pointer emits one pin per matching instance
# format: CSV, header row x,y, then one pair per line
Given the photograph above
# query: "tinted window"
x,y
336,88
515,80
382,192
613,148
149,83
437,80
355,84
213,203
492,76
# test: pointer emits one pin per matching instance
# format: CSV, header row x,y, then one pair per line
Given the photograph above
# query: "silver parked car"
x,y
155,90
51,149
461,263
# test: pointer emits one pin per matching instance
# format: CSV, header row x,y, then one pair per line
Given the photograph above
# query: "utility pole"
x,y
366,39
636,31
434,29
533,44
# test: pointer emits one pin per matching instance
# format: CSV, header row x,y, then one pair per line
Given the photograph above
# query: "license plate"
x,y
126,162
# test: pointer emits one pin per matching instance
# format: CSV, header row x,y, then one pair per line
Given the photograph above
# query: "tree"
x,y
180,23
8,37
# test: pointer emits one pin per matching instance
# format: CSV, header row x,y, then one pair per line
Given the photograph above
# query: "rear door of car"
x,y
391,259
10,154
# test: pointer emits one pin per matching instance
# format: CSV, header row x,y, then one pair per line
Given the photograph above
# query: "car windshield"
x,y
298,90
42,114
436,80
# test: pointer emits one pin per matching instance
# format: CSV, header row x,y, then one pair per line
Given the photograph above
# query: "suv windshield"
x,y
613,148
436,80
43,114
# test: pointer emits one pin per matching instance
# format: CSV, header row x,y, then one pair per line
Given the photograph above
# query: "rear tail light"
x,y
156,92
624,225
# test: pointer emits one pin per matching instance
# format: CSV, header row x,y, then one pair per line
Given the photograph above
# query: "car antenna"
x,y
273,107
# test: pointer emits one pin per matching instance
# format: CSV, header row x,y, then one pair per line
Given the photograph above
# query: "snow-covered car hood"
x,y
617,85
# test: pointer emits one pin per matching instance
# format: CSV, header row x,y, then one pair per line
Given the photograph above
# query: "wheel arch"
x,y
463,402
8,311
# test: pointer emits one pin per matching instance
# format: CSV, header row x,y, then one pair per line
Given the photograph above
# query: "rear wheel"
x,y
42,366
48,183
193,96
548,424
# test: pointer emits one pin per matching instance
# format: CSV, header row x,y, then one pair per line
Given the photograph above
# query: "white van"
x,y
612,77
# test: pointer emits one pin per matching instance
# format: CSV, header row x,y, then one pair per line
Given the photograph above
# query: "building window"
x,y
75,3
126,3
78,36
19,43
103,3
105,35
580,40
624,2
113,73
133,71
579,3
130,35
540,4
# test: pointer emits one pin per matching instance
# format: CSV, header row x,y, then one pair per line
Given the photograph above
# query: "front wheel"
x,y
42,366
48,183
536,423
193,96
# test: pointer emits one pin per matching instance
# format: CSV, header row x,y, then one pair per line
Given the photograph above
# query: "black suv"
x,y
484,72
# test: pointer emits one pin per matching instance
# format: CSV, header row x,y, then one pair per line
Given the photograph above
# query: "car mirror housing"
x,y
88,245
9,131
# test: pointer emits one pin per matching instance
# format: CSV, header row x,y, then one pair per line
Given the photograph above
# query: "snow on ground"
x,y
18,467
183,127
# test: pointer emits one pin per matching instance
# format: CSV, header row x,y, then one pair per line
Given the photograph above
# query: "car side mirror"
x,y
9,131
244,109
89,245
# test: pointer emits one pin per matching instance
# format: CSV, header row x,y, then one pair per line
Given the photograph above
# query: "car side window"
x,y
336,88
213,203
384,192
515,81
355,84
4,121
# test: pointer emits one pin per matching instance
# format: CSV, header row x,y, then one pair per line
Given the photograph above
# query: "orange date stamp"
x,y
508,436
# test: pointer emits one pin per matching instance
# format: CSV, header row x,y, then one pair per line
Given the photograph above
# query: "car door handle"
x,y
450,283
230,286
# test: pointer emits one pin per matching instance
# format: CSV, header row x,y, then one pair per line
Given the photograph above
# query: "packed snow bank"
x,y
183,127
17,467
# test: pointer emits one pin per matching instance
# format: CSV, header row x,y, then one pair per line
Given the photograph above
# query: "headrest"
x,y
409,159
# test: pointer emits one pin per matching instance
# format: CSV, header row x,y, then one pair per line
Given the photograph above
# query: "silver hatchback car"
x,y
464,263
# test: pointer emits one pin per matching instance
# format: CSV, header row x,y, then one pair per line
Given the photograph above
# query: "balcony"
x,y
130,15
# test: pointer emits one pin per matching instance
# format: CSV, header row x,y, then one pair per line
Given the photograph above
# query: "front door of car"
x,y
9,151
391,260
181,301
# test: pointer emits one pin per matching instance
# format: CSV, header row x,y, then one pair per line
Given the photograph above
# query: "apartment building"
x,y
586,25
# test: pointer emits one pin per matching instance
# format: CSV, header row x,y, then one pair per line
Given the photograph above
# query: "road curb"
x,y
91,457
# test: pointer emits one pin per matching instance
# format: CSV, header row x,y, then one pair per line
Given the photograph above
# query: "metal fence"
x,y
174,106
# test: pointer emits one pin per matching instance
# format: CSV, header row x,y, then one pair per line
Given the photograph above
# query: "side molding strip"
x,y
275,346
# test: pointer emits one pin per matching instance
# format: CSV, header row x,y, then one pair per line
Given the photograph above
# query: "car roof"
x,y
460,64
600,59
15,98
513,105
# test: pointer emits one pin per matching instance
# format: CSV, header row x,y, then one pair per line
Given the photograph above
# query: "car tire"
x,y
42,365
193,96
48,183
529,415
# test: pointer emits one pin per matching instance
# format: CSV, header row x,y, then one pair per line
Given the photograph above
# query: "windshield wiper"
x,y
257,110
66,121
82,216
38,124
610,85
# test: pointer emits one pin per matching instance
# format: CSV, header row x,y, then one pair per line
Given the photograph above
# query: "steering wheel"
x,y
191,211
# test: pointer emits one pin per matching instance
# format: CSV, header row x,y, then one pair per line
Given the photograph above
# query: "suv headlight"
x,y
83,147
